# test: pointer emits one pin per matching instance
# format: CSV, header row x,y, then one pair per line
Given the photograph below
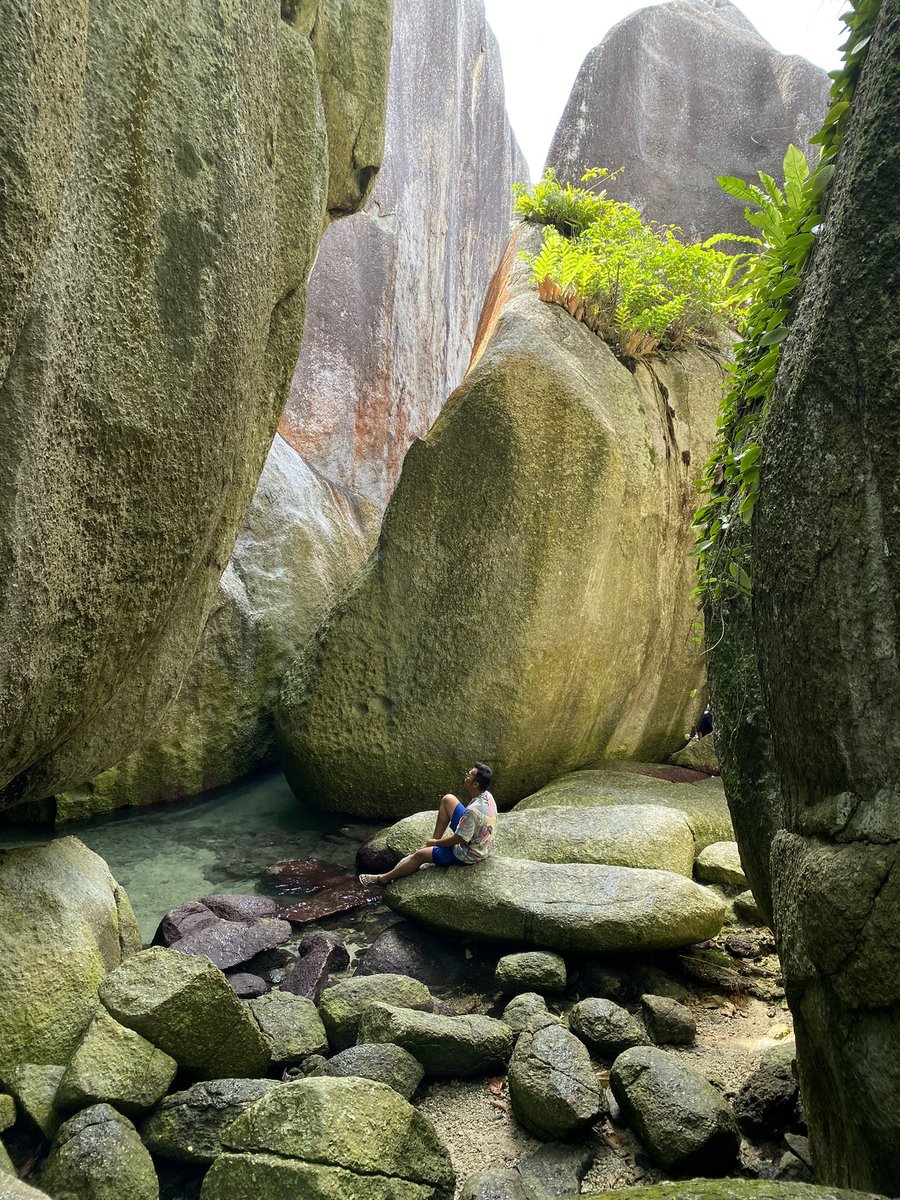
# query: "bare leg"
x,y
445,812
407,866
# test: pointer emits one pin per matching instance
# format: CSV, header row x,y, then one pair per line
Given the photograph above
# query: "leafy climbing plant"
x,y
636,285
788,219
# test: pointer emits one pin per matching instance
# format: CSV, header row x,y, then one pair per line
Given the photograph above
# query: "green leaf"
x,y
774,336
736,187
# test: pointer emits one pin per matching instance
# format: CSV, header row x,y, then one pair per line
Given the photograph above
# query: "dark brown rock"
x,y
181,920
241,908
228,943
320,954
433,959
246,986
303,876
680,93
332,900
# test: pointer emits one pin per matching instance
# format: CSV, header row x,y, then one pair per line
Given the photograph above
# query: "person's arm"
x,y
460,836
449,839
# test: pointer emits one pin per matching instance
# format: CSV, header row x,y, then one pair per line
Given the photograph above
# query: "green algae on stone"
x,y
332,1138
578,907
552,1085
34,1087
185,1006
16,1189
97,1155
189,1125
7,1111
117,1066
698,755
447,1047
381,1062
342,1007
703,804
57,901
291,1026
531,970
648,835
720,863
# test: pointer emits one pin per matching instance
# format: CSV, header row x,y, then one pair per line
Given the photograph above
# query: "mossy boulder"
x,y
189,1125
684,1122
97,1155
34,1087
291,1026
557,465
383,1062
7,1111
720,863
447,1047
185,1006
12,1188
703,804
644,835
158,259
64,925
531,970
342,1006
552,1085
605,1027
580,907
331,1138
117,1066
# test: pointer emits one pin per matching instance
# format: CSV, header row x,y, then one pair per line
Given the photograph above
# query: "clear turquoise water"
x,y
221,842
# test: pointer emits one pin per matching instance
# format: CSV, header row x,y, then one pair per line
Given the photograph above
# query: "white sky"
x,y
543,45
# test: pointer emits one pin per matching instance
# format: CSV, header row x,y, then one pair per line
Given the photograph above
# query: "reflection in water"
x,y
220,842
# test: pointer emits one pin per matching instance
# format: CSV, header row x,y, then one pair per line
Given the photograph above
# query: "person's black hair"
x,y
484,775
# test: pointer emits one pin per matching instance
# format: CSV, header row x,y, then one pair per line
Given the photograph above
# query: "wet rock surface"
x,y
383,1063
188,1125
605,1027
552,1085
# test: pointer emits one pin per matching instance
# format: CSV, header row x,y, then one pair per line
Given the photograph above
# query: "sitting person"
x,y
462,834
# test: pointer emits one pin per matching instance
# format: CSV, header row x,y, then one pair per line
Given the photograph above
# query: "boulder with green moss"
x,y
343,1005
447,1047
622,784
97,1155
698,755
188,1126
291,1026
331,1138
12,1188
383,1062
559,467
7,1111
64,925
531,971
117,1066
552,1085
720,863
579,907
643,835
185,1006
34,1087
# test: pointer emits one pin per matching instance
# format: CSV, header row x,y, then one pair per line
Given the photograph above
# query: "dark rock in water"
x,y
552,1085
768,1101
241,908
678,94
188,1125
374,860
320,954
343,897
685,1124
178,922
228,943
557,1169
498,1183
305,875
97,1155
246,986
433,958
605,1027
385,1063
668,1022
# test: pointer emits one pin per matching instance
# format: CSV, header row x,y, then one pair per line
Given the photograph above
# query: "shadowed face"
x,y
471,783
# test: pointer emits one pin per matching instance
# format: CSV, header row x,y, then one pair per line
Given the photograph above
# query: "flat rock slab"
x,y
302,876
652,836
230,943
702,803
241,908
578,907
330,901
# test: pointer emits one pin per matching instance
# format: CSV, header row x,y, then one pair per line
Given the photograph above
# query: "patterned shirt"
x,y
476,828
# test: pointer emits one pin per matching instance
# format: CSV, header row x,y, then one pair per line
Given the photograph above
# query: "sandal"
x,y
370,880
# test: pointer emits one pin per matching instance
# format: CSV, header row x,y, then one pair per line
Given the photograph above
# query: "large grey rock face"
x,y
572,478
678,94
64,925
826,572
397,289
152,294
301,540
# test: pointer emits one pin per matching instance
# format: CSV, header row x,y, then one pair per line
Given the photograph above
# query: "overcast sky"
x,y
543,45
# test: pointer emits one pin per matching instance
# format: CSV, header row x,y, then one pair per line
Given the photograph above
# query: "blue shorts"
x,y
443,856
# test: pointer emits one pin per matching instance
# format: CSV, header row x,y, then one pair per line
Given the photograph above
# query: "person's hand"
x,y
433,842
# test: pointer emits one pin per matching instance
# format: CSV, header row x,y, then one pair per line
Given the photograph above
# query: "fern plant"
x,y
636,285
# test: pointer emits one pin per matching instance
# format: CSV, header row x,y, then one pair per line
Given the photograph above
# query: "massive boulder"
x,y
826,578
680,93
64,925
396,291
529,600
164,211
301,541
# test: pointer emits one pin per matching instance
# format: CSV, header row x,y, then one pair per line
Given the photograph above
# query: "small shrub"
x,y
636,285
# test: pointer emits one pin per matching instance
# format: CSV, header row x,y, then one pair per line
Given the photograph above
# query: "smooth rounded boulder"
x,y
382,1062
184,1005
533,970
331,1138
720,863
97,1155
555,466
580,907
684,1122
605,1027
64,925
447,1047
552,1085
